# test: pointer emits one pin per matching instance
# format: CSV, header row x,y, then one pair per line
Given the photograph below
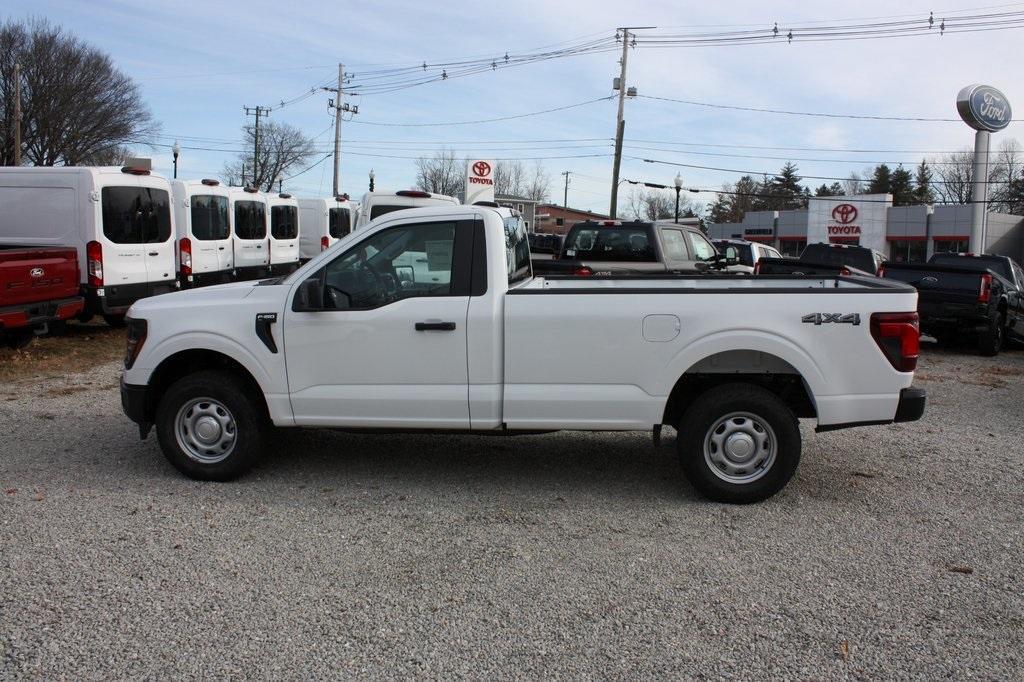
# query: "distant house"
x,y
528,207
554,219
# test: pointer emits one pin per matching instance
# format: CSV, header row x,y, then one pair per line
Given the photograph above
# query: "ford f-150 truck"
x,y
825,259
430,319
981,296
38,288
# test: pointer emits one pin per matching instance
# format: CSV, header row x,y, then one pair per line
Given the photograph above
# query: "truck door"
x,y
379,337
677,257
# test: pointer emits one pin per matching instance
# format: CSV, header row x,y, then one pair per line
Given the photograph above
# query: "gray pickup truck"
x,y
613,247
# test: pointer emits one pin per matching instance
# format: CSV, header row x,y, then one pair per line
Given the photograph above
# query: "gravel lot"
x,y
896,553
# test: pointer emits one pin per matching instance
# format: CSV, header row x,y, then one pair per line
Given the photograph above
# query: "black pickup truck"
x,y
966,293
824,259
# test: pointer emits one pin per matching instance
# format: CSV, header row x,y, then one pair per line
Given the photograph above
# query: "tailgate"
x,y
955,283
33,275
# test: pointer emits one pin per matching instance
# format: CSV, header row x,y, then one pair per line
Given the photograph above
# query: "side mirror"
x,y
309,297
732,256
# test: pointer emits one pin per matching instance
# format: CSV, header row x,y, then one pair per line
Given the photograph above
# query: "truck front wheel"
x,y
739,443
209,427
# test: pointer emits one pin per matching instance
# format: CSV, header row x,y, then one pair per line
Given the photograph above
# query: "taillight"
x,y
757,268
136,337
844,272
94,263
583,272
185,248
325,242
985,291
898,335
881,271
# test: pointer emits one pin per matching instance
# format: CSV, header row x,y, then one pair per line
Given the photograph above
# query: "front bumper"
x,y
134,404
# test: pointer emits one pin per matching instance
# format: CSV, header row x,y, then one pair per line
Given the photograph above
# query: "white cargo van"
x,y
249,234
376,204
324,221
118,219
203,222
284,233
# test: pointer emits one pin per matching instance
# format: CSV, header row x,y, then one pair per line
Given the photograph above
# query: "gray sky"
x,y
199,62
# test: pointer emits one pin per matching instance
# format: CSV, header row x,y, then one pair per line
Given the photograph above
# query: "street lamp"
x,y
371,179
679,187
280,184
175,150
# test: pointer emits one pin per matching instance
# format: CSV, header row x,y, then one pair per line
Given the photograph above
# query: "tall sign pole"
x,y
987,110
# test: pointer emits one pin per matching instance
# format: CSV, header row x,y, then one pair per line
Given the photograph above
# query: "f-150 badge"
x,y
829,318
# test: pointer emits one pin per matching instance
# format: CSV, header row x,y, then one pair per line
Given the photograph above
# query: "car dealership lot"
x,y
895,552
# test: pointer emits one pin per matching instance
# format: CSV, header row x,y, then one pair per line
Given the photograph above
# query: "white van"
x,y
285,228
118,219
324,221
251,245
376,204
202,218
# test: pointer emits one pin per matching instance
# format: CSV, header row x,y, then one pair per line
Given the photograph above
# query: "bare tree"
x,y
510,178
955,175
283,149
441,173
77,108
653,205
538,187
853,184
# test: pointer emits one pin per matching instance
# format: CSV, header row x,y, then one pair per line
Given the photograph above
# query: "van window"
x,y
250,219
136,215
517,250
339,222
209,217
284,222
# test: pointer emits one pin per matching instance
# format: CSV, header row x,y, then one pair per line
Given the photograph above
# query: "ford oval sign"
x,y
984,108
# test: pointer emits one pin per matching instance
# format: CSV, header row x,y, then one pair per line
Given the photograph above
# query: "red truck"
x,y
38,287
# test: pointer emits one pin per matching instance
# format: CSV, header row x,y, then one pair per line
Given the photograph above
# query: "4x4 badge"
x,y
828,318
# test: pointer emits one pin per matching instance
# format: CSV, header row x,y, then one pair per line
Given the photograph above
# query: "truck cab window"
x,y
136,215
702,248
403,262
675,244
517,250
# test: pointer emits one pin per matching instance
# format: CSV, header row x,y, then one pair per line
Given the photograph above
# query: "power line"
x,y
485,120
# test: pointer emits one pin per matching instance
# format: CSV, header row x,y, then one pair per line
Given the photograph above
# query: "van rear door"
x,y
121,218
157,233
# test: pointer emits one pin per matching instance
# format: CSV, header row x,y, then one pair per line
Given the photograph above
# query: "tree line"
x,y
946,179
445,173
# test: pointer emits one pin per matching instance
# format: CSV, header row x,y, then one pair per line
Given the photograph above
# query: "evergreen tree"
x,y
901,186
833,190
923,193
881,180
786,189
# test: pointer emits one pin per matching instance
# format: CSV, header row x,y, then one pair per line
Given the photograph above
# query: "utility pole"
x,y
258,111
339,107
620,123
565,197
17,114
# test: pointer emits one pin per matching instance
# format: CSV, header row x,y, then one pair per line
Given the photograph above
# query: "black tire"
x,y
990,341
212,389
18,339
115,321
768,475
85,317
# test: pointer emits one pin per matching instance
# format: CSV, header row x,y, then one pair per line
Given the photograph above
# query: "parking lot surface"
x,y
896,551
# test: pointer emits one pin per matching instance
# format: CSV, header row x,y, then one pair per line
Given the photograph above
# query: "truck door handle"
x,y
435,326
154,253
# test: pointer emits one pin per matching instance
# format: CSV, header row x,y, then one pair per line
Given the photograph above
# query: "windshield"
x,y
250,220
610,243
979,264
209,217
136,215
339,222
284,222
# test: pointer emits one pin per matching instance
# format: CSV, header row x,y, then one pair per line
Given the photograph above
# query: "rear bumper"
x,y
202,279
252,272
117,299
910,408
278,269
30,315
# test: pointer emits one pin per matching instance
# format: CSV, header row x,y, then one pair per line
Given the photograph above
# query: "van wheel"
x,y
115,321
738,443
990,342
209,427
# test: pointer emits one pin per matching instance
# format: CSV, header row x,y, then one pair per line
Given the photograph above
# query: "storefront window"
x,y
951,245
792,247
908,251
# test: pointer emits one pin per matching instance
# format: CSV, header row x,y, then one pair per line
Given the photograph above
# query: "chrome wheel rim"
x,y
740,448
205,430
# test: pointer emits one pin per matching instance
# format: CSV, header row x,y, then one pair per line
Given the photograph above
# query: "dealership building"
x,y
902,233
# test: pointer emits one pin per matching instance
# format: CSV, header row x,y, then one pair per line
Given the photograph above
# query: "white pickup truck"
x,y
430,319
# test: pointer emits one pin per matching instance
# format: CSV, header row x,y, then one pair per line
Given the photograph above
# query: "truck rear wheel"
x,y
739,443
209,427
990,341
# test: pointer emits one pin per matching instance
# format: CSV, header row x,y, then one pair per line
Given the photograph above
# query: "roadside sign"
x,y
479,181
